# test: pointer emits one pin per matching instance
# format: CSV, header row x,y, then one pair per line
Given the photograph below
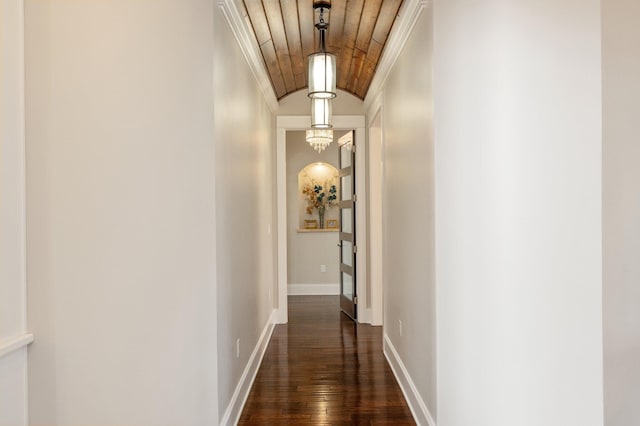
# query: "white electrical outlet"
x,y
323,268
400,327
238,348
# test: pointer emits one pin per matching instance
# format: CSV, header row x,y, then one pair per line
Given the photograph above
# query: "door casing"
x,y
286,123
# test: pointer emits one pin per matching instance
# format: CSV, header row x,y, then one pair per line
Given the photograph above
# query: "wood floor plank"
x,y
323,369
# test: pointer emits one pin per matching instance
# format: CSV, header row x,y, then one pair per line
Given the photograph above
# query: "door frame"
x,y
286,123
375,214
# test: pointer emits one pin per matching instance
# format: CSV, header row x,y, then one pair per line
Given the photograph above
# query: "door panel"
x,y
345,184
347,283
348,293
346,216
347,249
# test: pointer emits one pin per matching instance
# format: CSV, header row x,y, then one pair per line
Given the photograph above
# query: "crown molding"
x,y
250,49
408,15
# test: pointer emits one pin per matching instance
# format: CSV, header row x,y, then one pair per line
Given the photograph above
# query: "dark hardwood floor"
x,y
323,369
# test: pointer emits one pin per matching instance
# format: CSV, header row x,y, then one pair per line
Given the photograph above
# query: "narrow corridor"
x,y
321,368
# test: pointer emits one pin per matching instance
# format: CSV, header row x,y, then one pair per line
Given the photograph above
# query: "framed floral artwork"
x,y
332,224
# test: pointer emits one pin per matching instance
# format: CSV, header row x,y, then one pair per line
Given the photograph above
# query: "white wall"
x,y
120,206
308,250
408,211
298,103
621,191
518,212
13,366
245,193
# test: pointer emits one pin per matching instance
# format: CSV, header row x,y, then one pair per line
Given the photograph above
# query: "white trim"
x,y
250,49
375,105
239,398
14,344
408,15
23,162
27,338
213,314
313,289
362,281
281,219
419,409
301,122
376,203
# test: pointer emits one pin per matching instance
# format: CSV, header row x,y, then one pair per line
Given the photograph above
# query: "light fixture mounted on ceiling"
x,y
322,83
319,139
322,65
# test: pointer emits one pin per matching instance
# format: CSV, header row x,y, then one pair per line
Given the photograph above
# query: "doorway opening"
x,y
312,188
286,125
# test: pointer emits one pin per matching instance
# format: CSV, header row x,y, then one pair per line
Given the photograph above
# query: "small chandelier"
x,y
319,139
322,65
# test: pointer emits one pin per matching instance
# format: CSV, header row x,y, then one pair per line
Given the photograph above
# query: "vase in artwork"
x,y
321,216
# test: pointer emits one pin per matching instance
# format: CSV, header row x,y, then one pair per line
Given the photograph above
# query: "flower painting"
x,y
319,197
318,186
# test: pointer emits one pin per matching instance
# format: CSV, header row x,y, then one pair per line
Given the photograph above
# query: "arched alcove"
x,y
318,189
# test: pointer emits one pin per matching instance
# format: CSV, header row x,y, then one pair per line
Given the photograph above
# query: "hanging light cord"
x,y
322,28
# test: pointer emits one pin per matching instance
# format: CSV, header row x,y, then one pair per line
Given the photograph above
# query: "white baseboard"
x,y
419,409
364,315
280,316
239,398
313,289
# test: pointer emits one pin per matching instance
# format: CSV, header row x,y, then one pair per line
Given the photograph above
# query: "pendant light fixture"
x,y
321,113
322,83
319,139
322,65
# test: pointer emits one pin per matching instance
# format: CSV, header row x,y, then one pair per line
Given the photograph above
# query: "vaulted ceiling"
x,y
285,32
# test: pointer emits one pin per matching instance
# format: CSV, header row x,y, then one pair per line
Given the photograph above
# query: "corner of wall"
x,y
13,291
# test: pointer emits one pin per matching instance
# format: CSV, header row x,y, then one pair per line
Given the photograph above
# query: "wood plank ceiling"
x,y
285,32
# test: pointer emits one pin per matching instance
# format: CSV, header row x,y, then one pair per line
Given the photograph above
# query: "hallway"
x,y
145,217
321,368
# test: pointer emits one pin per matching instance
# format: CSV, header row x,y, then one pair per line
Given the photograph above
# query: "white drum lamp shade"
x,y
322,75
320,113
